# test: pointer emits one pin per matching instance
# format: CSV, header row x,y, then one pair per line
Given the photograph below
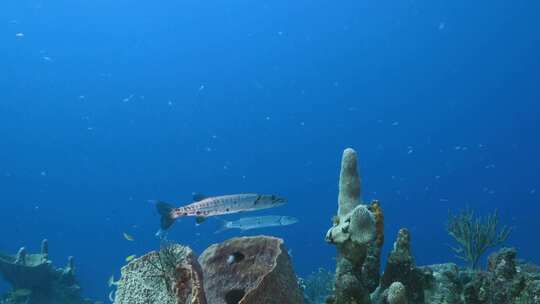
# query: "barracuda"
x,y
248,223
204,207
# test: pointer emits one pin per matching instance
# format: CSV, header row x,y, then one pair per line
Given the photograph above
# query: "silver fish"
x,y
204,207
255,222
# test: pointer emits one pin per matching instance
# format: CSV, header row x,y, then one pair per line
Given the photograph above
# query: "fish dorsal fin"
x,y
200,219
198,197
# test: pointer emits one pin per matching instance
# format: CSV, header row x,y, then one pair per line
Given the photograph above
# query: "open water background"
x,y
107,104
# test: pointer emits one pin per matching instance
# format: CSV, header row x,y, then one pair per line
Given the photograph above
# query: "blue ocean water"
x,y
105,105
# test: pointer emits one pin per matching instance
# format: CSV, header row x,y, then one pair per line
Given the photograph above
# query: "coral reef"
x,y
258,270
171,275
505,281
358,235
401,271
317,287
400,267
443,284
372,264
244,270
249,270
396,294
375,208
475,235
353,230
36,281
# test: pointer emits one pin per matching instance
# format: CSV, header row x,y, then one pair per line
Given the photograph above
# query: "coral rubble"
x,y
249,270
36,281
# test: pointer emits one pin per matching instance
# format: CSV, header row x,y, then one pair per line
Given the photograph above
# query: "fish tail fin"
x,y
165,210
224,225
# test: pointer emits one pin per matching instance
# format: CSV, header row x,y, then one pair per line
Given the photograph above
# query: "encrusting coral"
x,y
372,265
396,294
375,208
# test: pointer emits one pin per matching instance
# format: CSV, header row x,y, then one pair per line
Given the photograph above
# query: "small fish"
x,y
128,237
128,99
111,282
203,207
255,222
131,257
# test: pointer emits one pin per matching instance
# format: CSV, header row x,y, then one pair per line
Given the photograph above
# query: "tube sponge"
x,y
352,232
354,221
349,183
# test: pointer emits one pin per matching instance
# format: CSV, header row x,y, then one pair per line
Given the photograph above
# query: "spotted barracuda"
x,y
204,207
255,222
